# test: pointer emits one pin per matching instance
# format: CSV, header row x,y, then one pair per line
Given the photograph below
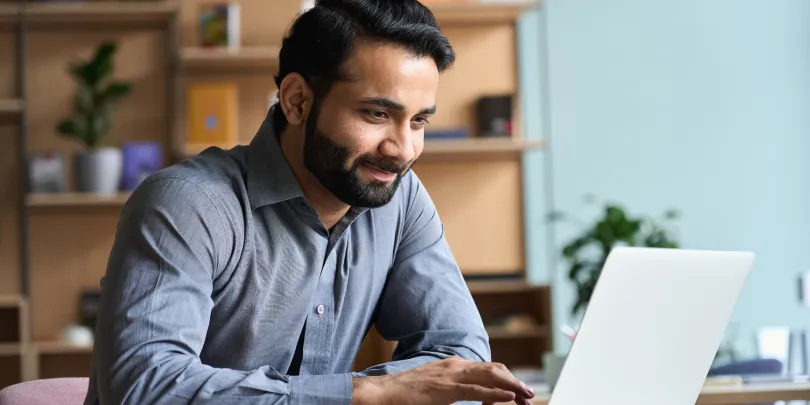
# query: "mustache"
x,y
388,165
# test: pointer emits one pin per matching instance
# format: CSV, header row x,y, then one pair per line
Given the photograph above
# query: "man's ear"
x,y
295,98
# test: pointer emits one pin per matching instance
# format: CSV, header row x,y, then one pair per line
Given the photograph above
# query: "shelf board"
x,y
10,349
107,13
498,287
246,57
474,13
10,110
76,199
9,13
11,301
504,333
480,146
61,348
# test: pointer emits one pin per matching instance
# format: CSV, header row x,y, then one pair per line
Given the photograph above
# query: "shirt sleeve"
x,y
155,309
426,305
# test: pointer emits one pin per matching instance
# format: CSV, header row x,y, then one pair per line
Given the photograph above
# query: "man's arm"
x,y
156,301
426,304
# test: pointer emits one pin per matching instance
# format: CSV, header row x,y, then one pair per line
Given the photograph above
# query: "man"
x,y
251,276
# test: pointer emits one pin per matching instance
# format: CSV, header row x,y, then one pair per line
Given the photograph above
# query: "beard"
x,y
327,161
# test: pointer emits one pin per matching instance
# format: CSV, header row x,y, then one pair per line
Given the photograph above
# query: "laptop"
x,y
652,328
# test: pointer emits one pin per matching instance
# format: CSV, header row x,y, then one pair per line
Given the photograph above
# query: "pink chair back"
x,y
53,391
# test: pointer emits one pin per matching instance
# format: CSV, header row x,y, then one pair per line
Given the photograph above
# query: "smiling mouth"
x,y
379,174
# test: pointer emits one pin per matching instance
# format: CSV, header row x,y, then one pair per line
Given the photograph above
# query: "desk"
x,y
738,395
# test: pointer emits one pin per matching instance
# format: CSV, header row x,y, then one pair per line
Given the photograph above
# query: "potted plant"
x,y
587,252
97,168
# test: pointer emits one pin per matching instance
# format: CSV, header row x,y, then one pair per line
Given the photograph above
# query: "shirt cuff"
x,y
335,389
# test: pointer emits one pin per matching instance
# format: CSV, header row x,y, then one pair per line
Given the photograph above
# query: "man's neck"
x,y
330,209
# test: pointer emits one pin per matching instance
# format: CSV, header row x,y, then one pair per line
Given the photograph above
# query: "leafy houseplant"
x,y
587,252
97,168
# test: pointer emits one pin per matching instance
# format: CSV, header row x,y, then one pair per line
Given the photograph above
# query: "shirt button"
x,y
320,309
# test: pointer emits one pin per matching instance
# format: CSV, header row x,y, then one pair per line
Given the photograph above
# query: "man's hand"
x,y
443,382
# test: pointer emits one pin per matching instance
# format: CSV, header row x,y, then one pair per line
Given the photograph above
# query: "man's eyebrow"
x,y
384,102
388,103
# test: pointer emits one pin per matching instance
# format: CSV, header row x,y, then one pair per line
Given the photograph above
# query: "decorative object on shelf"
x,y
141,159
46,172
586,253
88,308
97,169
212,114
495,116
456,133
77,335
220,25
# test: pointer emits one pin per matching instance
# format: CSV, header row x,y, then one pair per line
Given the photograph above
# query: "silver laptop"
x,y
652,327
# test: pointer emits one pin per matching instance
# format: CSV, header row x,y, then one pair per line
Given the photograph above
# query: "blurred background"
x,y
565,128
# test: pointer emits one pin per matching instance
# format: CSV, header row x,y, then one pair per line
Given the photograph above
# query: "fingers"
x,y
473,392
528,390
497,376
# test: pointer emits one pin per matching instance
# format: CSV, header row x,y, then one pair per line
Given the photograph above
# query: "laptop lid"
x,y
653,325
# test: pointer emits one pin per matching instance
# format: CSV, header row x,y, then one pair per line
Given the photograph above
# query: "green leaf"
x,y
67,127
117,90
614,214
83,102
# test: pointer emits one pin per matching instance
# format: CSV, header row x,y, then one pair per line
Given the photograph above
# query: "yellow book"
x,y
212,114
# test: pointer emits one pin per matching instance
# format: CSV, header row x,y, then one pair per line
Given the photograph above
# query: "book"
x,y
212,114
220,25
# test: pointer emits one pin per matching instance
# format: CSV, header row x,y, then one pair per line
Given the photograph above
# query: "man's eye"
x,y
380,115
421,120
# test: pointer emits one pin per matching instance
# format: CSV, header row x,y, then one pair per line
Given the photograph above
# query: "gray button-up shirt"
x,y
219,263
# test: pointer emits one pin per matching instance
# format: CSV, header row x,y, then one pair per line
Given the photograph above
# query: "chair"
x,y
52,391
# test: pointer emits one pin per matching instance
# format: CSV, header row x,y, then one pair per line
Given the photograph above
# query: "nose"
x,y
399,144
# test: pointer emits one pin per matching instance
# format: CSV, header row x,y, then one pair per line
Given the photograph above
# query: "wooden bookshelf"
x,y
476,13
11,349
11,301
477,146
56,347
10,110
483,287
8,14
76,200
106,13
505,333
262,58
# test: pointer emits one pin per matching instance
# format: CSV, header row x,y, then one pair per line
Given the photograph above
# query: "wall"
x,y
697,105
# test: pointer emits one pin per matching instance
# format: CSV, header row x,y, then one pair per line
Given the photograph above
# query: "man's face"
x,y
367,132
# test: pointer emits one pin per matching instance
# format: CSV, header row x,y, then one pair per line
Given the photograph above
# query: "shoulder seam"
x,y
207,195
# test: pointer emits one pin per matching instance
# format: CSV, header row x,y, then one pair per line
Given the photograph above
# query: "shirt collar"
x,y
270,178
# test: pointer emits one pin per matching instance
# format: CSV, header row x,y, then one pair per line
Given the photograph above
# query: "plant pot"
x,y
98,170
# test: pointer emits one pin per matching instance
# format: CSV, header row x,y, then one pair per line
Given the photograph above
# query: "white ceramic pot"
x,y
98,170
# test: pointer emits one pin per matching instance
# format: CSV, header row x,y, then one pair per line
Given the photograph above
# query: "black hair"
x,y
323,38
